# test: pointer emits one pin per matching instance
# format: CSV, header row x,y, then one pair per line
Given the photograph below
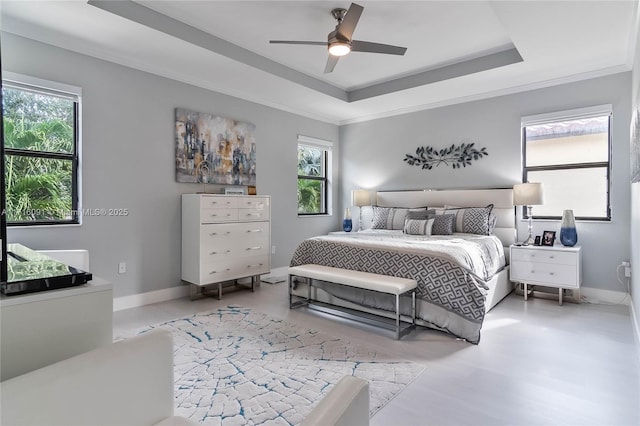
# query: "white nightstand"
x,y
549,266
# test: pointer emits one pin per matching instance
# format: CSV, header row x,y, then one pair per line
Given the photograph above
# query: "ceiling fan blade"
x,y
348,24
314,43
367,46
331,63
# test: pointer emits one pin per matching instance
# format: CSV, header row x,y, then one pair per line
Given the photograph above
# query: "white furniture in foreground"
x,y
38,329
224,238
549,266
346,404
124,383
131,383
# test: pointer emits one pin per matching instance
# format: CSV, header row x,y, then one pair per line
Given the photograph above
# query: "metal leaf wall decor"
x,y
456,156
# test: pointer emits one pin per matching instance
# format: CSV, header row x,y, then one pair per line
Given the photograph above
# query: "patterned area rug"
x,y
235,366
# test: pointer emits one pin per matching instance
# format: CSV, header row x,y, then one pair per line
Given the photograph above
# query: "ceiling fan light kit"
x,y
339,48
340,41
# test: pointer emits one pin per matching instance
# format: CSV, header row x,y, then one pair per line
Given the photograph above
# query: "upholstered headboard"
x,y
502,200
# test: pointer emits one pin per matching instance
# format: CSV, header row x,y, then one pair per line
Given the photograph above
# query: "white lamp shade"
x,y
528,194
360,197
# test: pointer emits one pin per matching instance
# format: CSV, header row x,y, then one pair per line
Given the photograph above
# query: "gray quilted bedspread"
x,y
451,273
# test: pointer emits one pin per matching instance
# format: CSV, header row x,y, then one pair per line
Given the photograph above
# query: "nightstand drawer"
x,y
544,256
565,276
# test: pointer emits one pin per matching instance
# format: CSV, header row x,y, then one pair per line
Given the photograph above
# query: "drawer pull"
x,y
213,234
550,273
254,266
552,257
253,214
215,252
254,230
215,272
254,248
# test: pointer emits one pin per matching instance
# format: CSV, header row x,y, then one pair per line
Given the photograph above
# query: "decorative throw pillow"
x,y
391,217
442,224
422,214
472,220
418,227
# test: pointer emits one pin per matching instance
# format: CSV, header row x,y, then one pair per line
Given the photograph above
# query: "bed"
x,y
460,276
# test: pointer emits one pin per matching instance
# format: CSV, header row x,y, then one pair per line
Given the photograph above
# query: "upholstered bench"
x,y
365,280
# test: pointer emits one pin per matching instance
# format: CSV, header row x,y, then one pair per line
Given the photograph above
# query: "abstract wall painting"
x,y
214,150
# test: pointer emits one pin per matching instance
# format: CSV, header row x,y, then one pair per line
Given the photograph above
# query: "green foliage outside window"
x,y
39,143
311,180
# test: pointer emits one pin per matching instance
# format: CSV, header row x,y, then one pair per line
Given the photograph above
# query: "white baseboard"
x,y
609,297
141,299
278,272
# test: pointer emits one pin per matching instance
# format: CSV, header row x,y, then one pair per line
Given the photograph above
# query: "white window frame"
x,y
61,90
567,115
327,146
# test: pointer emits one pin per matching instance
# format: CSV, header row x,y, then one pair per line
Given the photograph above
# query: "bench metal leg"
x,y
397,317
413,307
302,302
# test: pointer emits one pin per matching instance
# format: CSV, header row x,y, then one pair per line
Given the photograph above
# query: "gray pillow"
x,y
391,217
443,224
472,220
418,214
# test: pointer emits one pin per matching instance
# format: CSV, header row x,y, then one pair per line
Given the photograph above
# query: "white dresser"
x,y
552,266
225,238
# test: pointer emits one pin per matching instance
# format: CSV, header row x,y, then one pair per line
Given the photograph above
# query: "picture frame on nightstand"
x,y
537,240
548,238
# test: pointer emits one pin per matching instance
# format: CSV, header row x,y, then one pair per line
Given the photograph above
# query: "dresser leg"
x,y
196,292
560,296
526,291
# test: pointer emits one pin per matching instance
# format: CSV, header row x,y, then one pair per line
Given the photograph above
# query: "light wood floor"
x,y
537,363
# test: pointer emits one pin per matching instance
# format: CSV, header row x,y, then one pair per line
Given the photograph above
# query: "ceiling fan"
x,y
340,41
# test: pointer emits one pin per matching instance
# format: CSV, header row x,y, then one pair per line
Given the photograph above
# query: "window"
x,y
41,123
569,152
314,159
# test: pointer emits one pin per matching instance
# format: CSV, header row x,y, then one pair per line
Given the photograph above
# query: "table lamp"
x,y
529,195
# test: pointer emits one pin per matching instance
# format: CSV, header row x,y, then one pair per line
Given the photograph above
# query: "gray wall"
x,y
373,152
635,210
128,162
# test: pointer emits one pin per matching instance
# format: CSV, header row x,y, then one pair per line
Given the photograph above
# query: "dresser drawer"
x,y
560,275
544,256
229,235
217,202
253,214
254,202
221,253
218,215
233,268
